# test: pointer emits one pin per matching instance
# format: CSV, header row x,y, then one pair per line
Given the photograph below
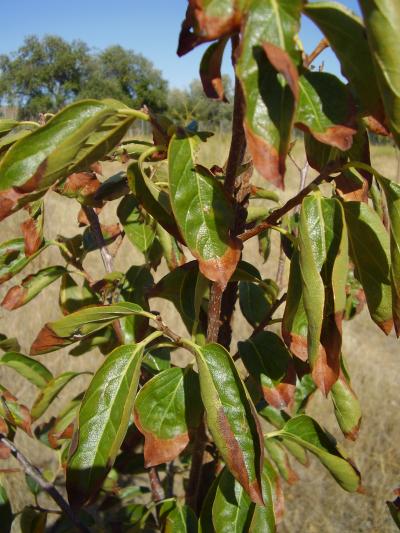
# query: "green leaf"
x,y
6,125
294,323
394,509
154,200
382,20
325,109
51,391
172,251
370,251
31,286
202,211
9,344
6,515
305,431
267,359
104,139
231,417
27,367
79,325
38,160
346,405
265,517
139,228
103,421
346,35
232,508
256,300
392,194
13,258
167,410
179,287
268,56
73,296
281,459
324,264
181,520
264,244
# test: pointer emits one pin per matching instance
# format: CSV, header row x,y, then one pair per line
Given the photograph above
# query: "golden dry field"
x,y
315,504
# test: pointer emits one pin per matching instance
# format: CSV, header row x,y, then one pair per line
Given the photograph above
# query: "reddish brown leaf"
x,y
47,340
352,189
236,462
374,126
211,27
210,70
83,186
158,451
8,202
32,236
282,62
327,365
297,344
221,269
266,159
5,452
15,413
14,298
282,395
54,437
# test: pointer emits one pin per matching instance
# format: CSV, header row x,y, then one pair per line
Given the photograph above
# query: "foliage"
x,y
228,421
46,74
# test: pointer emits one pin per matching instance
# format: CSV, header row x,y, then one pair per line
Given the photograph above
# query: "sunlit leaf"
x,y
13,258
27,367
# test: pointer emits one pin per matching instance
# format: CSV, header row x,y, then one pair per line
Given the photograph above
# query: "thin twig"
x,y
98,235
214,312
277,214
281,267
155,485
321,46
33,472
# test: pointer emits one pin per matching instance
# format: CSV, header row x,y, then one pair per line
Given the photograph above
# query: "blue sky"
x,y
150,27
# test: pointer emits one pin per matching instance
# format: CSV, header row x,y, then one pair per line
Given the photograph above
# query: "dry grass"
x,y
316,503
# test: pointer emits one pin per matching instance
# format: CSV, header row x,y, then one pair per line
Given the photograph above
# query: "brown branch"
x,y
33,472
98,235
214,312
199,446
321,46
274,218
155,485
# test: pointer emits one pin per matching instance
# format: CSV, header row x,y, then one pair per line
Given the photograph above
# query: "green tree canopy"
x,y
46,74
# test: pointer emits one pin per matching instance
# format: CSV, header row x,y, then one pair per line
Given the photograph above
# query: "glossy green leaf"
x,y
167,409
181,520
370,251
382,20
6,125
320,154
305,431
39,159
6,514
13,258
139,228
205,519
14,413
323,254
172,251
52,389
103,421
392,194
268,360
325,109
256,300
202,211
31,286
232,508
268,49
154,200
231,417
79,325
346,404
27,367
346,35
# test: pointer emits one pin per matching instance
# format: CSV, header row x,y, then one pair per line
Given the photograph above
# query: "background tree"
x,y
46,74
